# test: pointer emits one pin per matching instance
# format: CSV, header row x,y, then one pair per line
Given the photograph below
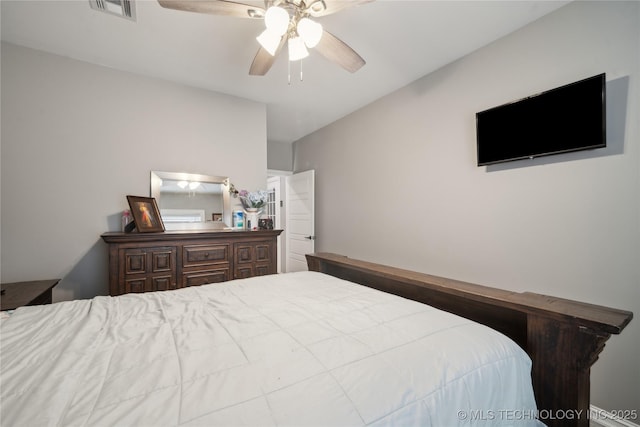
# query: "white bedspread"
x,y
290,349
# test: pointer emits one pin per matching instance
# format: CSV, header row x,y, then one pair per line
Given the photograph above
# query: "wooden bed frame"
x,y
562,337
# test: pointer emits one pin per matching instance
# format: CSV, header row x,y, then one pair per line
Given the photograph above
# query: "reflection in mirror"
x,y
192,201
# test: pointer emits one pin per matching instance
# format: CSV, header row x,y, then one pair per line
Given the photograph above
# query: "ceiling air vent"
x,y
123,8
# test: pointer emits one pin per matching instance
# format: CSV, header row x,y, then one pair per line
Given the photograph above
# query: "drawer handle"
x,y
206,254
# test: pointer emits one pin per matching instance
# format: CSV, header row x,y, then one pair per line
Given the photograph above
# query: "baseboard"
x,y
601,418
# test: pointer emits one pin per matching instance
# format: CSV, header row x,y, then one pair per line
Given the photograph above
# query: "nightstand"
x,y
35,292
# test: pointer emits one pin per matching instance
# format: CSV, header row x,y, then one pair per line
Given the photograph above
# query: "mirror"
x,y
192,201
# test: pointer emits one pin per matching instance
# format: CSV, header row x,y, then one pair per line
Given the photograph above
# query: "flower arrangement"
x,y
250,200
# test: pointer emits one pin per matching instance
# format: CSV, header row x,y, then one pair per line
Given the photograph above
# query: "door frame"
x,y
281,221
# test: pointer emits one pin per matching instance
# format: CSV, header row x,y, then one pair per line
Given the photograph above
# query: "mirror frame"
x,y
156,183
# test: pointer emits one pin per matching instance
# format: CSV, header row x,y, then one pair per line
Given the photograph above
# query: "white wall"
x,y
397,181
77,138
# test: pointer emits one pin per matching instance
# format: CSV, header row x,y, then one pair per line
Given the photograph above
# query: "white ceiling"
x,y
400,40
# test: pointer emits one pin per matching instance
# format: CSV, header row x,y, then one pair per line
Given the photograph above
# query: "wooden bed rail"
x,y
562,337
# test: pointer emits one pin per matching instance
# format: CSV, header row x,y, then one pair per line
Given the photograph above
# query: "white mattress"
x,y
290,349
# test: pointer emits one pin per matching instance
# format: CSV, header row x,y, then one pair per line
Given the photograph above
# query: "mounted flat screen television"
x,y
567,118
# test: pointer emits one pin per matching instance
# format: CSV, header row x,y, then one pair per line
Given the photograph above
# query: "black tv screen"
x,y
567,118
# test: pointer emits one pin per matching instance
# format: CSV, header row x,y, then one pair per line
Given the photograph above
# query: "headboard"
x,y
562,337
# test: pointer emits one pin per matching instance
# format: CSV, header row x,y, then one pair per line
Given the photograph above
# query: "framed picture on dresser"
x,y
146,214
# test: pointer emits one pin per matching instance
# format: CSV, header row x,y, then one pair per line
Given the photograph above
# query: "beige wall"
x,y
77,138
397,181
279,156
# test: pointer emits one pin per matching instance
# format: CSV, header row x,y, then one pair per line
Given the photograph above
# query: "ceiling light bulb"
x,y
297,50
277,20
310,31
269,41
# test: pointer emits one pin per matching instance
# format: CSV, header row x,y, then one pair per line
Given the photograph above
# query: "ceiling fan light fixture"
x,y
281,18
310,31
270,41
297,49
277,20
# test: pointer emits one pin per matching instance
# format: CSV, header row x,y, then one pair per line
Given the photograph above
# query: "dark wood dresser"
x,y
145,262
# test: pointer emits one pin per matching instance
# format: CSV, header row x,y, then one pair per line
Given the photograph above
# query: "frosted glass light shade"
x,y
277,20
310,31
269,41
297,49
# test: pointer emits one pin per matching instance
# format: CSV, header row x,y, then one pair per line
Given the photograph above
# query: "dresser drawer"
x,y
149,260
198,255
147,269
204,277
254,258
134,284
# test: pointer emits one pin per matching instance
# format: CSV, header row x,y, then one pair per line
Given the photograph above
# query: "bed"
x,y
562,337
306,348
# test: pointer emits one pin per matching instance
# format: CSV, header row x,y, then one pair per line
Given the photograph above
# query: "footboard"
x,y
562,337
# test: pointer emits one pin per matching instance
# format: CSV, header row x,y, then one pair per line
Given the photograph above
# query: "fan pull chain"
x,y
289,72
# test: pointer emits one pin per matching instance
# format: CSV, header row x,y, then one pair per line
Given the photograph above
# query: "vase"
x,y
252,218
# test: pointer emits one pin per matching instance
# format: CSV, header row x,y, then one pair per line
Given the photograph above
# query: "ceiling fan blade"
x,y
215,7
327,7
263,60
335,50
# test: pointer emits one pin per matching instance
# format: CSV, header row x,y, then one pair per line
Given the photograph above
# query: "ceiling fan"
x,y
286,21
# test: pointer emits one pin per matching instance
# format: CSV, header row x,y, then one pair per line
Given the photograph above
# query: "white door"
x,y
300,228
